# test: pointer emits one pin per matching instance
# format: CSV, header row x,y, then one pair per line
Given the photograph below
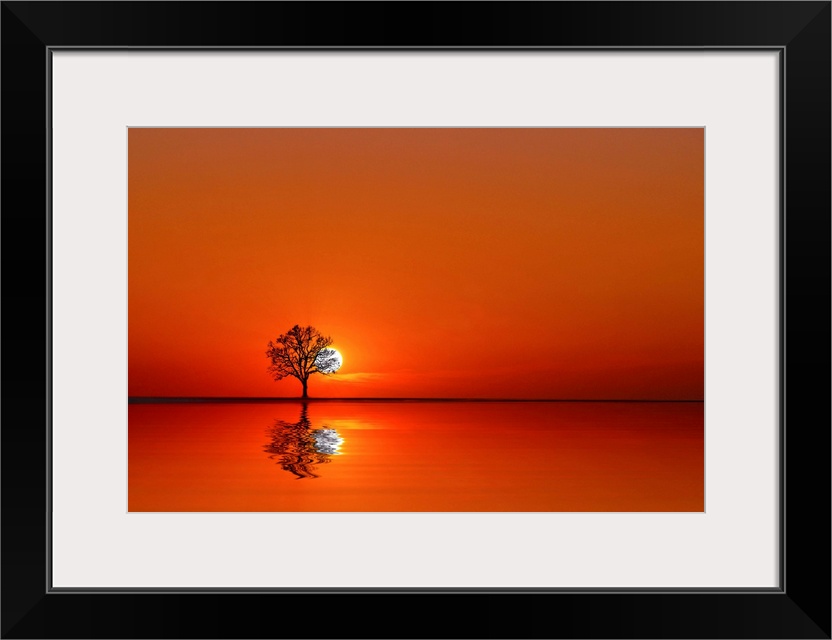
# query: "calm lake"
x,y
416,456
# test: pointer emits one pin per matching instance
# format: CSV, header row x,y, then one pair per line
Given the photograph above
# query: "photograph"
x,y
517,310
416,319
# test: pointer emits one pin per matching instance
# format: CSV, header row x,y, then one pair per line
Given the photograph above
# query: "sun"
x,y
328,360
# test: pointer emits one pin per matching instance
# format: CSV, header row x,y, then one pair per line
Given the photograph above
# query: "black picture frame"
x,y
799,608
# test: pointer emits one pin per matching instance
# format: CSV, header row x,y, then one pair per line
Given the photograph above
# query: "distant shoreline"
x,y
239,400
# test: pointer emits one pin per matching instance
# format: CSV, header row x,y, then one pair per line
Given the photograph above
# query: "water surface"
x,y
416,456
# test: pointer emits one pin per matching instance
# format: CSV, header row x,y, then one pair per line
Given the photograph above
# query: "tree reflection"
x,y
298,448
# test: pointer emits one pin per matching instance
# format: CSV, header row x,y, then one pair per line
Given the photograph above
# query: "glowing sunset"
x,y
340,265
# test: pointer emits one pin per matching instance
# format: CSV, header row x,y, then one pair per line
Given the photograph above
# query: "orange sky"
x,y
511,263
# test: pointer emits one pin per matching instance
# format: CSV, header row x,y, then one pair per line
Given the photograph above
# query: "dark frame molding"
x,y
799,30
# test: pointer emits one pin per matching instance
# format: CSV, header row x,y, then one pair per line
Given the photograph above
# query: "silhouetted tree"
x,y
294,353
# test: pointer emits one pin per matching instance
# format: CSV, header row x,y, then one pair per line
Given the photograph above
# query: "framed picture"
x,y
639,196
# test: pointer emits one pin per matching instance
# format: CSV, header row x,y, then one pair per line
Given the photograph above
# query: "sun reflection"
x,y
327,441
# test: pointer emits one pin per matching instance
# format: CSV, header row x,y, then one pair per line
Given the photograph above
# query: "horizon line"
x,y
267,399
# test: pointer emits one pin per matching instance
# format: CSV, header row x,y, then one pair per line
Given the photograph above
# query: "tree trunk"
x,y
305,394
